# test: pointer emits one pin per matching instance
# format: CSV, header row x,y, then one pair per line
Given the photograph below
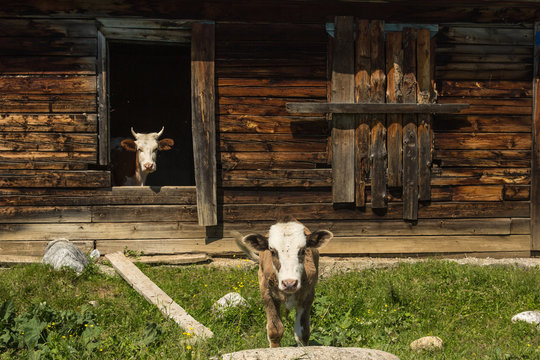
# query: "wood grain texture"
x,y
203,121
394,76
343,131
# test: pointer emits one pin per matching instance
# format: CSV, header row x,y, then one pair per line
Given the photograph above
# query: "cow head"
x,y
146,147
287,242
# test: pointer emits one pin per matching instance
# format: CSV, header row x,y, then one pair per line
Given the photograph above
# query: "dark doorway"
x,y
150,87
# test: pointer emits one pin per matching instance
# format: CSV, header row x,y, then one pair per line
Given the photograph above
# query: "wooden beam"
x,y
343,131
151,292
367,108
362,132
425,140
535,171
203,121
394,77
378,151
103,101
410,136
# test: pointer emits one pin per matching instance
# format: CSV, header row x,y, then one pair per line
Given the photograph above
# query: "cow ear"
x,y
129,145
165,144
319,238
256,242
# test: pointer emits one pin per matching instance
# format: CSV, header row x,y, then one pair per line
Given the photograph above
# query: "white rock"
x,y
62,252
310,353
230,300
427,343
95,254
532,317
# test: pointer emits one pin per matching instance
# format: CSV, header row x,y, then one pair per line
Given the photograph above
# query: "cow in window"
x,y
288,271
132,160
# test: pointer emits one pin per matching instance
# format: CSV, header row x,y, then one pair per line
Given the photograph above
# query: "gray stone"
x,y
230,300
427,343
311,352
94,303
62,252
95,254
532,317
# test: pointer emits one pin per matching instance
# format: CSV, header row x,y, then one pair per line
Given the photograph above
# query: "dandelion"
x,y
63,336
528,344
385,305
188,347
191,328
85,325
100,349
91,325
22,333
205,285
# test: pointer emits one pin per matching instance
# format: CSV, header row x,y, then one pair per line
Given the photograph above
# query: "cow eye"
x,y
273,252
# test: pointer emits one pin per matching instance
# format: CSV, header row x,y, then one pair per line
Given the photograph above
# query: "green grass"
x,y
469,307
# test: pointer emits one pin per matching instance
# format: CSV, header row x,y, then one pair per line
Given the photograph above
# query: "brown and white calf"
x,y
288,271
132,160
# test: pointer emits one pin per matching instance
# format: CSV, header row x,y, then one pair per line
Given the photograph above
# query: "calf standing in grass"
x,y
132,160
288,271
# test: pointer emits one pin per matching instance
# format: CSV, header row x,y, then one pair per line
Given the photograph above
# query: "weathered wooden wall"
x,y
270,162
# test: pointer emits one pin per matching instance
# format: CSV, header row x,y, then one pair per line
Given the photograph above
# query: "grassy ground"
x,y
469,307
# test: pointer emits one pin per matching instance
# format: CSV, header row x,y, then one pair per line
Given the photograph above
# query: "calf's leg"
x,y
302,324
274,325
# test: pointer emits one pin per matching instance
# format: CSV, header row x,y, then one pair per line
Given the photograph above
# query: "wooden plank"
x,y
47,84
153,294
272,160
44,214
535,166
410,136
343,139
425,137
278,178
378,151
273,124
203,121
181,259
496,74
348,108
22,250
366,245
58,123
55,178
46,160
362,95
149,213
103,100
48,28
175,36
272,90
272,142
48,46
47,142
501,88
482,175
482,123
483,158
394,76
491,141
48,65
487,35
65,103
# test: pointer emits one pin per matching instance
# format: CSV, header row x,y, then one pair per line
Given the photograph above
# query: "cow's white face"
x,y
287,242
147,146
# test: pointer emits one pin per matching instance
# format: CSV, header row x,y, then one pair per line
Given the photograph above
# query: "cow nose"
x,y
149,166
289,284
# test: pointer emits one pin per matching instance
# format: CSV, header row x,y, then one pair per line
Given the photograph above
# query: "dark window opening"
x,y
150,87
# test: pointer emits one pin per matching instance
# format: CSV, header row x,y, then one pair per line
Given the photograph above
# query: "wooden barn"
x,y
404,127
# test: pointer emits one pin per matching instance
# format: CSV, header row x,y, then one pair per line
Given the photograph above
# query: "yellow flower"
x,y
91,325
188,347
85,325
100,349
63,337
191,328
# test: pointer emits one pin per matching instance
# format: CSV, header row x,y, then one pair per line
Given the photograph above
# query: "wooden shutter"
x,y
203,120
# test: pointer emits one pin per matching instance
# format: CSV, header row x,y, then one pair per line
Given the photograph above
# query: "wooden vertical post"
x,y
203,120
378,121
423,46
394,78
343,130
362,95
410,141
535,171
103,100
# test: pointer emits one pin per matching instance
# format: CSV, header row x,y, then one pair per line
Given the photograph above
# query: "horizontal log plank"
x,y
479,141
70,142
80,103
47,84
483,50
58,123
272,160
483,158
495,74
44,214
277,178
48,65
277,91
272,124
56,178
266,32
120,195
46,160
283,71
52,46
48,28
444,58
343,108
150,213
482,123
264,83
36,248
487,35
502,89
478,176
517,192
276,143
176,36
338,245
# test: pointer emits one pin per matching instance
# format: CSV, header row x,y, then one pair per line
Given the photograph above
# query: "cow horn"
x,y
134,133
161,132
